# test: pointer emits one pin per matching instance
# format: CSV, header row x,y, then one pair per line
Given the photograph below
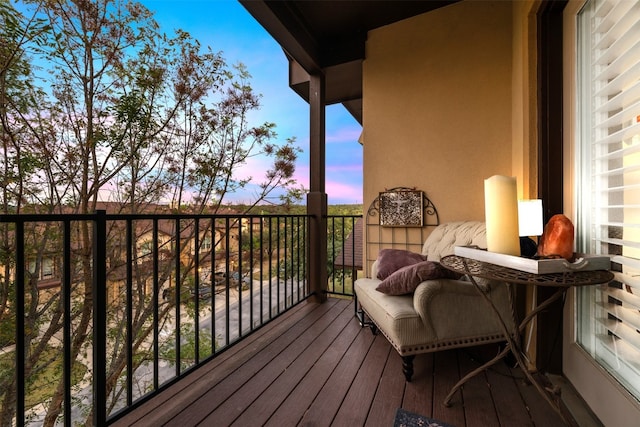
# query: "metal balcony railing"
x,y
99,312
344,245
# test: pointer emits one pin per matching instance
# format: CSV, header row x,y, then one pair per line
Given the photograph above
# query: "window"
x,y
146,249
609,186
47,268
206,244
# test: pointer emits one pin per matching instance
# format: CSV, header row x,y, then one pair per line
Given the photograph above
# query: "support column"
x,y
548,326
317,197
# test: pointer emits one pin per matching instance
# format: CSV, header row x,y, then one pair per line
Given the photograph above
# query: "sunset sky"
x,y
227,27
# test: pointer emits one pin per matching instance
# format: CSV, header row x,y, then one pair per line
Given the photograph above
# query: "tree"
x,y
130,114
21,129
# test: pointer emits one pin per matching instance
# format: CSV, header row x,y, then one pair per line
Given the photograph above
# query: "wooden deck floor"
x,y
316,366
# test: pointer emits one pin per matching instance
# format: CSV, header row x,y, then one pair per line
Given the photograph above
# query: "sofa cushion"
x,y
406,280
391,260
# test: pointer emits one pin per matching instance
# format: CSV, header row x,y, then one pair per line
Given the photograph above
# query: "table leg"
x,y
499,356
511,342
513,345
520,354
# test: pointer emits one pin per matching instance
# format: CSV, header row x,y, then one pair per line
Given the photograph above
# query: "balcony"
x,y
208,318
315,365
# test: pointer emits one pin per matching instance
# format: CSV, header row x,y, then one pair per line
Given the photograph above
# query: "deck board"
x,y
245,386
390,392
503,382
316,366
358,399
323,410
446,373
478,403
261,409
418,394
302,396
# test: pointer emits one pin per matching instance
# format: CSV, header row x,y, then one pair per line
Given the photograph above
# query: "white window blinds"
x,y
609,205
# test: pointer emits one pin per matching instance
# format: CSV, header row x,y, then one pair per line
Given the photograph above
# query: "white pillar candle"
x,y
501,215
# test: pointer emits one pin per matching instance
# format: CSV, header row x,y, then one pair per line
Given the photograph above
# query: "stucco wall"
x,y
437,105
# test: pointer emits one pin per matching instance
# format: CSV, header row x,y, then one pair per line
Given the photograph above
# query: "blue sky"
x,y
227,27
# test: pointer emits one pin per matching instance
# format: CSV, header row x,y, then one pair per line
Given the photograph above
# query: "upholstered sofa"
x,y
441,313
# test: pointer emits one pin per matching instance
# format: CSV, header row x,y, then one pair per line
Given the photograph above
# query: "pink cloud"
x,y
350,167
339,192
343,135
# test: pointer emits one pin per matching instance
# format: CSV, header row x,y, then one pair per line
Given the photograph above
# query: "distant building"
x,y
350,256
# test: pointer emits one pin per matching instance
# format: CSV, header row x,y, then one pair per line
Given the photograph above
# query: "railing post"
x,y
20,319
99,292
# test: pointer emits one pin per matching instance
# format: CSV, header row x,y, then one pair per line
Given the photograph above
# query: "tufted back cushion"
x,y
445,237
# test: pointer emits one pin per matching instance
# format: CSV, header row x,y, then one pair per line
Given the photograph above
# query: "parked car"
x,y
234,279
204,291
219,278
238,281
236,276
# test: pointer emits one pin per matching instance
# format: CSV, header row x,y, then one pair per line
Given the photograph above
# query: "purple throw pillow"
x,y
391,260
406,280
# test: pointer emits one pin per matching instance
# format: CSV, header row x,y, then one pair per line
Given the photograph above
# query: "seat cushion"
x,y
394,315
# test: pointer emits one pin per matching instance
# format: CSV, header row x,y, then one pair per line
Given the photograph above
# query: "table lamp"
x,y
530,224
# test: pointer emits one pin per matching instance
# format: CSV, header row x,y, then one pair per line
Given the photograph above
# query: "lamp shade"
x,y
530,217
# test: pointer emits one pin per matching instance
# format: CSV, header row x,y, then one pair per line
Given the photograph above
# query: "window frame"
x,y
610,402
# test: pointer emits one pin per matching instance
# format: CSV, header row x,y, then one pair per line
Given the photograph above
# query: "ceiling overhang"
x,y
328,37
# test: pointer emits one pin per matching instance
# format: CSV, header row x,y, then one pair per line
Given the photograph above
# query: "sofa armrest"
x,y
450,306
429,290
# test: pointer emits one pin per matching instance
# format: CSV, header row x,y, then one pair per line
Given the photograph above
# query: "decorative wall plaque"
x,y
402,208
